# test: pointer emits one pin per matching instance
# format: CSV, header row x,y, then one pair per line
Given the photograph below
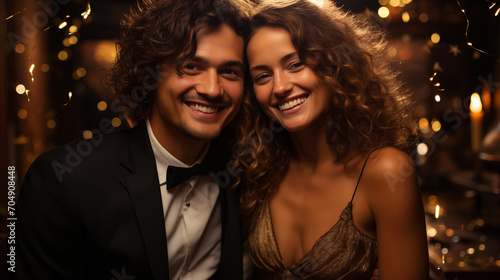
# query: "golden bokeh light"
x,y
102,105
22,113
62,55
383,12
423,17
87,134
20,89
116,122
51,123
405,17
45,67
435,38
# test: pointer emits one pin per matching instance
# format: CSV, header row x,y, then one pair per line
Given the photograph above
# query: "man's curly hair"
x,y
159,33
369,108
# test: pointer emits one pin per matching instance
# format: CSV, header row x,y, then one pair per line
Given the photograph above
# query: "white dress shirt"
x,y
192,219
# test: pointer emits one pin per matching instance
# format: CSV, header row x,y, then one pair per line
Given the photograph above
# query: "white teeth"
x,y
292,103
203,109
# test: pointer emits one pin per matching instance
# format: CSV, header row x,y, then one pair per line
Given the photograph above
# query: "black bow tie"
x,y
177,175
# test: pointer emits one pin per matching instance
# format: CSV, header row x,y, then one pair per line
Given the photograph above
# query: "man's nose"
x,y
209,84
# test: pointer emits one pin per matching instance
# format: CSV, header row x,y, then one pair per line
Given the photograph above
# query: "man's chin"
x,y
206,135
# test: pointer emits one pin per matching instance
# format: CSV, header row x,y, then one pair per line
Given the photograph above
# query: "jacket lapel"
x,y
231,263
143,187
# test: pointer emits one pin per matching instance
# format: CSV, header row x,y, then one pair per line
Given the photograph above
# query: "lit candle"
x,y
476,118
436,214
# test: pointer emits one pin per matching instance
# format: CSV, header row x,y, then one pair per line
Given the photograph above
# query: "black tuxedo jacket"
x,y
92,209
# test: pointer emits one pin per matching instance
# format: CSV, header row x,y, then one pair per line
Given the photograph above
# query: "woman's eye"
x,y
261,78
296,65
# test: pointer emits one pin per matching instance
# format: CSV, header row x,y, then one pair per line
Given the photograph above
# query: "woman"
x,y
322,75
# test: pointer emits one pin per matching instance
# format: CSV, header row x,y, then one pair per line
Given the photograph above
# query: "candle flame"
x,y
62,25
70,94
87,12
433,76
13,15
437,212
32,67
475,103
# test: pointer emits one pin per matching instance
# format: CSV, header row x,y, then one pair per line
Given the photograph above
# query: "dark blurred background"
x,y
54,55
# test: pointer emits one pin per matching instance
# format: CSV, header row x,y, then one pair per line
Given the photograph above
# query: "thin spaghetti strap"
x,y
362,169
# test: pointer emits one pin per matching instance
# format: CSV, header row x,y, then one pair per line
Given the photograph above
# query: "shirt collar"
x,y
163,157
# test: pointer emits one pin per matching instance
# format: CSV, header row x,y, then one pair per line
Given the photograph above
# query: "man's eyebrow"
x,y
228,63
282,60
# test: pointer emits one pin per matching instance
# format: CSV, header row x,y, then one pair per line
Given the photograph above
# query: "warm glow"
x,y
62,55
73,40
435,38
423,123
102,105
437,97
405,17
73,29
20,89
45,67
383,12
475,103
81,72
66,42
437,212
392,51
394,3
87,134
86,14
431,232
20,48
105,52
51,123
436,125
22,113
62,25
422,149
116,122
423,17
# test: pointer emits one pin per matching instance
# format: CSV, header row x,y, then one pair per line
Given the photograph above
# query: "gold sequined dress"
x,y
343,252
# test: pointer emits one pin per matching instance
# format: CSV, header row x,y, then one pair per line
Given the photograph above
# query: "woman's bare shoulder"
x,y
390,175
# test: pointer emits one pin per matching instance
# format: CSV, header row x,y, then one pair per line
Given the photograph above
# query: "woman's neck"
x,y
312,146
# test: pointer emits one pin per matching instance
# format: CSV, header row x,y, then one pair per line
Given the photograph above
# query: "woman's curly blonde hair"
x,y
368,109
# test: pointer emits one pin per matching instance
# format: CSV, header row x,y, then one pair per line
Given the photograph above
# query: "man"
x,y
105,208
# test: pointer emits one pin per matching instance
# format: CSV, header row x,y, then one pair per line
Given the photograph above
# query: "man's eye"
x,y
191,69
230,74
